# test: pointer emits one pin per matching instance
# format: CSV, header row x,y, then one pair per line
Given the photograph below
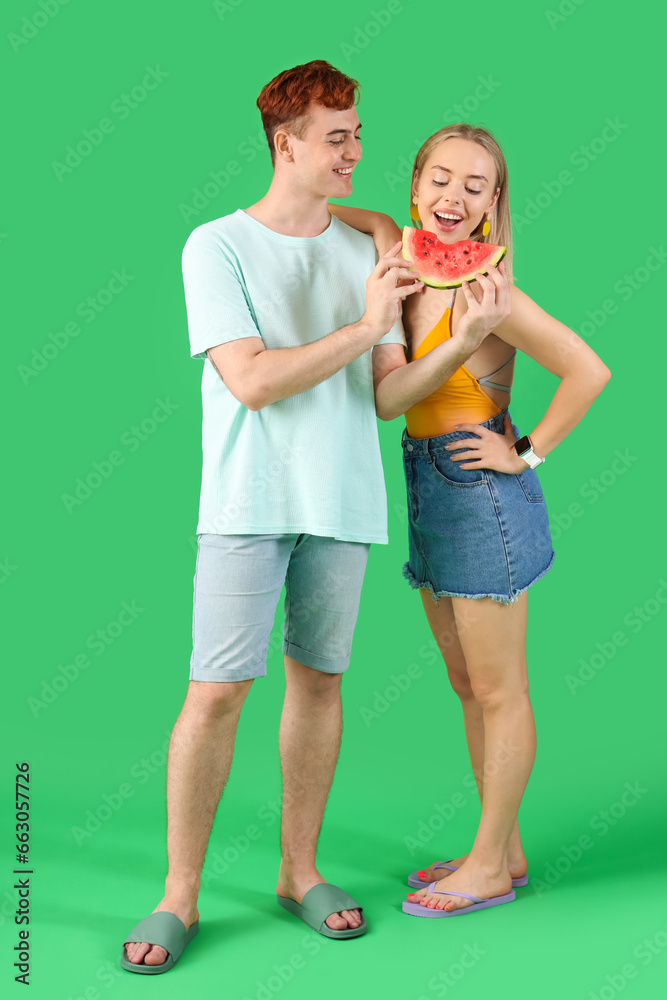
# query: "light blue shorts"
x,y
237,584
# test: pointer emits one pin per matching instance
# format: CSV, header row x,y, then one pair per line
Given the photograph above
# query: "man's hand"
x,y
488,305
388,284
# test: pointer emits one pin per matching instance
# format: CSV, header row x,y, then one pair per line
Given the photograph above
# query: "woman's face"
x,y
456,188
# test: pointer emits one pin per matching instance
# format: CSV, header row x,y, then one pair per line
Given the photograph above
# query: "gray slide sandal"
x,y
163,929
319,903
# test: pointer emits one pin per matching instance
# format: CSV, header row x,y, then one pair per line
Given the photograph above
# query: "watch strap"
x,y
532,459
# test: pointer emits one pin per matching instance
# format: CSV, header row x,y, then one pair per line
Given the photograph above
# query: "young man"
x,y
292,491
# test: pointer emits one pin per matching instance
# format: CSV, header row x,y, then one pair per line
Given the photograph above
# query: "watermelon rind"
x,y
496,254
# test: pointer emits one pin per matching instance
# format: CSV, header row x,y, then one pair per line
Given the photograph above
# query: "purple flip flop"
x,y
415,882
417,910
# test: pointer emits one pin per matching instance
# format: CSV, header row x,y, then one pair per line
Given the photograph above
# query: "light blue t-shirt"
x,y
309,463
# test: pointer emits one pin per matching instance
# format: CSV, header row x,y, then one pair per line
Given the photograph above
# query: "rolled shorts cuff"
x,y
314,660
227,673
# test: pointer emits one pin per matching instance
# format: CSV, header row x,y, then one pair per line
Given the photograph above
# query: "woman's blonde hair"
x,y
501,225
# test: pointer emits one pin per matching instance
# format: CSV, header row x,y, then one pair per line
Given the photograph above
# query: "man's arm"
x,y
257,376
399,385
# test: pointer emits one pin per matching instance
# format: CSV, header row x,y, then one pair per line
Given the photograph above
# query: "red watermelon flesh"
x,y
443,265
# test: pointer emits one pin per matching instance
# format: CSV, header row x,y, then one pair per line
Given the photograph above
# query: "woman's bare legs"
x,y
484,645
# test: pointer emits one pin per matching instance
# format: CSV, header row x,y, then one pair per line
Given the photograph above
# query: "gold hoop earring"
x,y
414,211
486,228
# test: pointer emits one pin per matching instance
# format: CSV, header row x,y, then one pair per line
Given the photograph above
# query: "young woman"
x,y
478,527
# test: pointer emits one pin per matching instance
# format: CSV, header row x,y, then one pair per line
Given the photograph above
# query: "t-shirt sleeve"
x,y
217,307
396,335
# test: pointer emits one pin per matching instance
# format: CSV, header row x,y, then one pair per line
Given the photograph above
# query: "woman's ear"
x,y
495,200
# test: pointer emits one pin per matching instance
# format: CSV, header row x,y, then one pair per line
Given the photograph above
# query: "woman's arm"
x,y
381,227
557,348
399,385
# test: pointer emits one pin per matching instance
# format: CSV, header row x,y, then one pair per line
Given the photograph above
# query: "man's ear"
x,y
282,143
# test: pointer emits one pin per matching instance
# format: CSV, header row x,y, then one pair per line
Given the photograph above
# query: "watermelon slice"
x,y
443,265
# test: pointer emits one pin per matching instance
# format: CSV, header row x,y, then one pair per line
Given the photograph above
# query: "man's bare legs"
x,y
200,756
451,630
310,731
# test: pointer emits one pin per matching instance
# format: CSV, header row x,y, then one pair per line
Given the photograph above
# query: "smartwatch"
x,y
524,449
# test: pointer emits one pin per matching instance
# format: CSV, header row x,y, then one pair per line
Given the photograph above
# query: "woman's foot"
x,y
150,954
517,865
471,879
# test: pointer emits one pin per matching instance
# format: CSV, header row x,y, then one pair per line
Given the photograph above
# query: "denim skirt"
x,y
475,532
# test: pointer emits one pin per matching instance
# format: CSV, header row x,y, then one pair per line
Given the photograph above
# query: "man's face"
x,y
329,152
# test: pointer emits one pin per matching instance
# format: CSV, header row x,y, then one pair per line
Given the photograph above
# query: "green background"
x,y
555,79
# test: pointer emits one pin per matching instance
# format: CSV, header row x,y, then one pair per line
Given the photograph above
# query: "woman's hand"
x,y
490,451
487,306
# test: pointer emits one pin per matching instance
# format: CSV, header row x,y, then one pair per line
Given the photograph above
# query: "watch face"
x,y
522,445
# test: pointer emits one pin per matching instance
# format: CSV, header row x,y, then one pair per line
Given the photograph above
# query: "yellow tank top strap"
x,y
440,332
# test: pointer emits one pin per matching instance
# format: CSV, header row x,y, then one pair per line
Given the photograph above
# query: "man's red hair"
x,y
283,103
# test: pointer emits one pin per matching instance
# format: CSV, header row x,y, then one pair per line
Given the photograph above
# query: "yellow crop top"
x,y
459,400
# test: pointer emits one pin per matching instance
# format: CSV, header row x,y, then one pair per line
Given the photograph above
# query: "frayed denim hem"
x,y
501,598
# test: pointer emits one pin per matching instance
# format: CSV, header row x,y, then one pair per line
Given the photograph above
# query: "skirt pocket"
x,y
530,484
446,468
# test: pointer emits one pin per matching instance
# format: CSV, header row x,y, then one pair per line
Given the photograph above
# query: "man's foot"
x,y
517,864
471,879
150,954
296,888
